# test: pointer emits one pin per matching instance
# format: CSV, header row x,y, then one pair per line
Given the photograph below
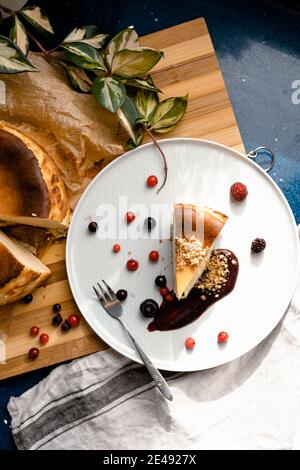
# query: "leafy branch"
x,y
116,71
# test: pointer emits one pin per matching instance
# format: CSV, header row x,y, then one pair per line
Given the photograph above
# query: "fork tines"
x,y
106,296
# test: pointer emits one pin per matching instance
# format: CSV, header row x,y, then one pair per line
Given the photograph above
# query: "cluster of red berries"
x,y
72,321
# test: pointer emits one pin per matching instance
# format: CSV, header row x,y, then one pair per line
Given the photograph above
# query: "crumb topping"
x,y
189,253
216,274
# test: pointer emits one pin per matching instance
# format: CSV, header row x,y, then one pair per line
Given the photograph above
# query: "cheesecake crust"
x,y
31,186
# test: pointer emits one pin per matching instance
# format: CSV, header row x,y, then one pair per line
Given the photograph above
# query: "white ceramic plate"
x,y
200,172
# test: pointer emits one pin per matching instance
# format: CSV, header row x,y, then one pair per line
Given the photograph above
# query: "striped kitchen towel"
x,y
105,401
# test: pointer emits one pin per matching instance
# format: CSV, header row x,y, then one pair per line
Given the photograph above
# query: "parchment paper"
x,y
75,131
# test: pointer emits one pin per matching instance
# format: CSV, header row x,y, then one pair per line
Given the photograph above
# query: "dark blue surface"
x,y
258,47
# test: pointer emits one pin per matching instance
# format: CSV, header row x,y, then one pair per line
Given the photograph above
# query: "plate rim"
x,y
238,154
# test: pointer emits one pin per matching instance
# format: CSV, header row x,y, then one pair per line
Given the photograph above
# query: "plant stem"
x,y
39,45
163,156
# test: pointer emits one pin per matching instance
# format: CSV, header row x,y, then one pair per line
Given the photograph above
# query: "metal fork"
x,y
112,305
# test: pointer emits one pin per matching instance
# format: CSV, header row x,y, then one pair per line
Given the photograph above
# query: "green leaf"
x,y
19,36
96,41
135,63
75,35
168,113
35,17
126,39
78,78
12,59
88,35
128,117
146,103
84,55
163,130
140,83
109,92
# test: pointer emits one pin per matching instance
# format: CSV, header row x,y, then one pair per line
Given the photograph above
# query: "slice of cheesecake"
x,y
32,191
21,272
195,230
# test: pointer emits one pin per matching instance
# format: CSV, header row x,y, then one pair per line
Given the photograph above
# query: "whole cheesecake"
x,y
32,191
21,272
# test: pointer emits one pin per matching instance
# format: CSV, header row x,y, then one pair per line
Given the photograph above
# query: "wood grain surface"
x,y
190,66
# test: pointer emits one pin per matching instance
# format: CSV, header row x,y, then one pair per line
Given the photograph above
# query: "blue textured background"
x,y
258,47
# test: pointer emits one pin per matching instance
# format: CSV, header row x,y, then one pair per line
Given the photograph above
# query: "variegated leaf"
x,y
109,92
96,41
12,59
75,35
128,117
163,130
19,36
135,62
84,55
88,35
36,17
126,39
140,83
146,103
78,78
168,113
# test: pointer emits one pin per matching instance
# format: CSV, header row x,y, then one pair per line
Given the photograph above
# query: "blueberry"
x,y
27,299
149,308
161,281
56,308
150,223
57,320
66,326
121,294
93,226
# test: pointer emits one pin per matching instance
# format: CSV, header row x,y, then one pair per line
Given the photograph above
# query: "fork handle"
x,y
155,374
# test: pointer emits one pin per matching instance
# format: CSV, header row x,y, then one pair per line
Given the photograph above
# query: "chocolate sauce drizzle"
x,y
179,313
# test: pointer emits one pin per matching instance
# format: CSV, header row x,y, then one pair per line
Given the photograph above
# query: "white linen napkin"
x,y
105,401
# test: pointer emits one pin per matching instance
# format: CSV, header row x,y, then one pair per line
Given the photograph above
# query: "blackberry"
x,y
258,245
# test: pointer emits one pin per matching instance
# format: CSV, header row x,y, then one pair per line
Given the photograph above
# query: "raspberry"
x,y
239,191
258,245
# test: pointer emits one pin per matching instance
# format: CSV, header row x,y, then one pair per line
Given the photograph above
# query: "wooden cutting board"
x,y
190,66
